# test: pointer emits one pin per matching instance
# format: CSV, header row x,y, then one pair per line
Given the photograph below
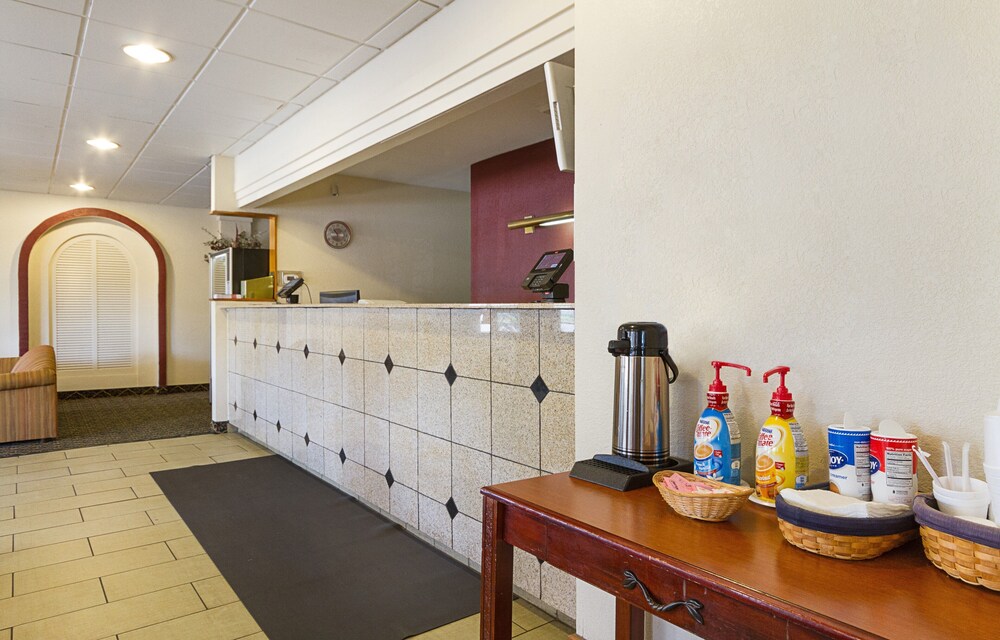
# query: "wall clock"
x,y
337,234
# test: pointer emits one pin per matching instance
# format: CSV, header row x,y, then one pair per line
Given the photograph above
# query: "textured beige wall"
x,y
178,231
803,183
409,243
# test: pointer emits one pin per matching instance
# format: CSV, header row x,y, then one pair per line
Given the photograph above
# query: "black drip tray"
x,y
622,474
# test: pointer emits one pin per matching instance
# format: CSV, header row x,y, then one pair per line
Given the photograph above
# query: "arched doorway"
x,y
23,271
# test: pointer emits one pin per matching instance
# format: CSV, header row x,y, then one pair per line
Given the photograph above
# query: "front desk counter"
x,y
740,576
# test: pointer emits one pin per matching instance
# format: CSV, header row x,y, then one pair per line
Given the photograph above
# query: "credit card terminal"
x,y
544,276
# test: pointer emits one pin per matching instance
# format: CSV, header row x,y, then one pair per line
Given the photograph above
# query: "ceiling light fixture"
x,y
102,143
147,54
82,187
529,222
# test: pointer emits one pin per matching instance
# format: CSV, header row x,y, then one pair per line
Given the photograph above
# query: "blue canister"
x,y
850,472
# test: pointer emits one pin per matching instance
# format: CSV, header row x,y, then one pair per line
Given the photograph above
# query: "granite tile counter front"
x,y
413,409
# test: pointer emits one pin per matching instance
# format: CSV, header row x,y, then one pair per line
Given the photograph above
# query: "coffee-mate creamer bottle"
x,y
782,459
717,435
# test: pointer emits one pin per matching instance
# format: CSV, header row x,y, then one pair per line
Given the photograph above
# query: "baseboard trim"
x,y
131,391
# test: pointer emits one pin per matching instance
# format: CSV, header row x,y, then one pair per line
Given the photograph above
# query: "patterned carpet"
x,y
88,422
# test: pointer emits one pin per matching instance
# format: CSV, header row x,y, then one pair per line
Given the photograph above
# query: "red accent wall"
x,y
523,182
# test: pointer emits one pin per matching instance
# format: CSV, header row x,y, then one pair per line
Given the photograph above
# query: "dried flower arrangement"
x,y
243,240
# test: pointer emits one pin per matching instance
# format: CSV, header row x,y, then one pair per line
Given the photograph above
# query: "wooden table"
x,y
740,577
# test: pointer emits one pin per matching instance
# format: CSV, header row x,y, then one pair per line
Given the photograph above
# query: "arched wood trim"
x,y
161,267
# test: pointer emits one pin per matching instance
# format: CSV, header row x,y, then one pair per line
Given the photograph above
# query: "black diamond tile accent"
x,y
540,561
342,356
307,439
277,346
305,350
235,340
450,374
343,456
255,343
451,507
539,388
255,415
389,480
388,364
235,408
278,425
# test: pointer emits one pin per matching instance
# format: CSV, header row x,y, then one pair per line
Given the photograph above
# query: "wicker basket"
x,y
713,507
844,538
976,561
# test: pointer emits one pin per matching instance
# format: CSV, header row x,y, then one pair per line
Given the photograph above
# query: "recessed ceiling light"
x,y
82,187
147,54
103,144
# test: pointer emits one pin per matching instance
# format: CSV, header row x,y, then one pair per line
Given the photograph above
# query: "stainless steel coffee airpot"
x,y
642,396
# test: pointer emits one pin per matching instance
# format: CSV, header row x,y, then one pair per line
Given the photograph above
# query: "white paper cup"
x,y
973,503
991,440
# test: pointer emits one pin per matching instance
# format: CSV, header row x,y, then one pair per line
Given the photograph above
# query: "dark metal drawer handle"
x,y
691,604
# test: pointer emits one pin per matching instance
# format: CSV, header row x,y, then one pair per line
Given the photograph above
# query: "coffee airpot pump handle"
x,y
717,386
669,362
781,393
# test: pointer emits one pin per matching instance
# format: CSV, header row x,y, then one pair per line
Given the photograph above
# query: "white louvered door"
x,y
93,313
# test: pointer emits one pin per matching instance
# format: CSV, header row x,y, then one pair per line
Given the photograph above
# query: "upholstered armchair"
x,y
28,395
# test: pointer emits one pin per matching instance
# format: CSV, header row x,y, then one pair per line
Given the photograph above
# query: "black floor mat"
x,y
309,562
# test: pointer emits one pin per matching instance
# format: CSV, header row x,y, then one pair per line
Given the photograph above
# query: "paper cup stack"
x,y
991,460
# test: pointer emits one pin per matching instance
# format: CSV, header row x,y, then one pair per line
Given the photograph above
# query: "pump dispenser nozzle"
x,y
782,403
718,394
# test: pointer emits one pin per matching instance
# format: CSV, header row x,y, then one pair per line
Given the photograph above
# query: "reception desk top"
x,y
397,305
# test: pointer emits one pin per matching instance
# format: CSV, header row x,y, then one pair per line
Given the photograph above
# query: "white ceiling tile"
x,y
354,61
201,179
204,144
25,63
200,120
66,6
269,39
258,78
13,164
238,147
142,191
284,113
160,151
353,19
175,166
30,114
104,43
38,27
439,3
98,103
33,92
212,97
82,126
12,129
195,199
128,81
30,148
198,21
259,132
159,177
313,91
402,25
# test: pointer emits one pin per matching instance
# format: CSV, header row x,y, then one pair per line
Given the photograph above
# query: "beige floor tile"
x,y
80,530
84,452
17,478
256,636
121,508
32,458
136,582
173,442
7,489
42,556
6,513
75,502
52,602
215,592
137,537
6,586
130,446
44,521
246,455
116,464
142,486
104,565
115,617
68,481
464,629
163,515
139,453
35,496
228,622
528,616
554,630
63,462
166,466
219,449
184,547
6,544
